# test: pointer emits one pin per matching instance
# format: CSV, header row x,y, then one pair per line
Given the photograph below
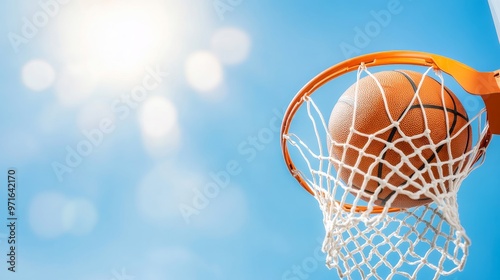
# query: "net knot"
x,y
362,67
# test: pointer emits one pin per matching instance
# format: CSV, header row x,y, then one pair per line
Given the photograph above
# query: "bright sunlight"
x,y
116,40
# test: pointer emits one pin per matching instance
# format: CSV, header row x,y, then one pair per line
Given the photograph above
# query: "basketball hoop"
x,y
378,240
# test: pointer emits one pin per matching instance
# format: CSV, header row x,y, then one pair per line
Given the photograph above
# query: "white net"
x,y
423,241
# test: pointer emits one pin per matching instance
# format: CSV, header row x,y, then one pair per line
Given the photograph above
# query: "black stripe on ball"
x,y
455,113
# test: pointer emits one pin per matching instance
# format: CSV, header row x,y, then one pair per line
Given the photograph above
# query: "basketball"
x,y
405,153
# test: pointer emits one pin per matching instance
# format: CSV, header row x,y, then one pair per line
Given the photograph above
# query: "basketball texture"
x,y
386,143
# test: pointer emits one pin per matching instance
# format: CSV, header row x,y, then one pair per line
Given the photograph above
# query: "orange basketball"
x,y
385,146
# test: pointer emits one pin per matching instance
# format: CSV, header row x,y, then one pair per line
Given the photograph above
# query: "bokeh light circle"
x,y
158,117
38,75
79,216
203,71
45,214
231,45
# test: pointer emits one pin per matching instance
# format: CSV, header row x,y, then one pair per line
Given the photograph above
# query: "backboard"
x,y
495,13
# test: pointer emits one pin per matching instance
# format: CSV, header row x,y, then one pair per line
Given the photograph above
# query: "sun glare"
x,y
115,40
119,39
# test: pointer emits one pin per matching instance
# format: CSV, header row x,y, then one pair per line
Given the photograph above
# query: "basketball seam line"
x,y
390,138
433,156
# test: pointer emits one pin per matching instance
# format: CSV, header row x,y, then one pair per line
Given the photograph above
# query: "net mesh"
x,y
360,244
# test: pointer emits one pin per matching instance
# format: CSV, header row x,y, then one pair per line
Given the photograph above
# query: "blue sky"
x,y
144,133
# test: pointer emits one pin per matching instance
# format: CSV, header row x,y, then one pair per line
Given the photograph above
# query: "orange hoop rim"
x,y
484,84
